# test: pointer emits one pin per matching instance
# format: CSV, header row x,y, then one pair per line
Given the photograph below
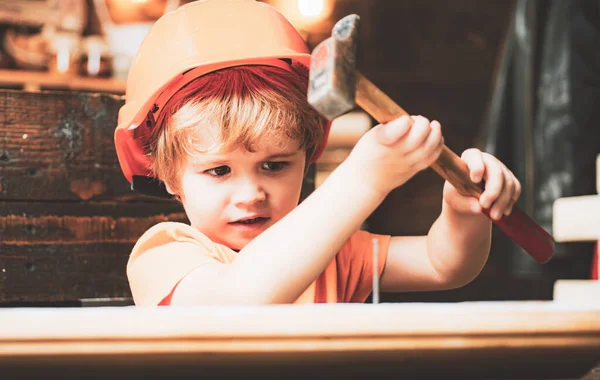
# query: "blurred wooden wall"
x,y
68,219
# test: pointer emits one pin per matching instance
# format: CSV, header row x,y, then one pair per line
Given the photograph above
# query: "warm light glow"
x,y
94,58
93,63
63,60
139,1
305,15
310,8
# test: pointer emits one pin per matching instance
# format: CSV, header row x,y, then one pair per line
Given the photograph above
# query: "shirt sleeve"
x,y
164,255
355,265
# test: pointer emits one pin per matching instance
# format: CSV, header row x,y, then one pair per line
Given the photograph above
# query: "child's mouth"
x,y
251,221
255,222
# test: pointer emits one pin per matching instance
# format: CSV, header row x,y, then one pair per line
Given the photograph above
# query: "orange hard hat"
x,y
198,38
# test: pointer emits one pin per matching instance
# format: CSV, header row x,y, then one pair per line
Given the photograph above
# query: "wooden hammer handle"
x,y
518,226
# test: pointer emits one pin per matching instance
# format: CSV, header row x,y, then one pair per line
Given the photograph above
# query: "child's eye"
x,y
219,171
275,166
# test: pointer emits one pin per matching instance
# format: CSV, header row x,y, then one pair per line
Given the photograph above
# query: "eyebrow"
x,y
218,161
210,162
281,155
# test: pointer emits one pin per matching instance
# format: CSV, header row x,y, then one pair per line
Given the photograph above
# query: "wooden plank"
x,y
60,144
576,218
577,292
479,336
63,272
64,183
56,223
66,251
358,321
47,80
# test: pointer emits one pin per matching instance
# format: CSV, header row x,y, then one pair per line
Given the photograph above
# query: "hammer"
x,y
335,87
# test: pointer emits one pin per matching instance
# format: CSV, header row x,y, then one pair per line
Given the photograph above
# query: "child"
x,y
216,111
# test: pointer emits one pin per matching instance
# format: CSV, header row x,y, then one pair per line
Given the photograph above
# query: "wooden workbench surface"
x,y
481,338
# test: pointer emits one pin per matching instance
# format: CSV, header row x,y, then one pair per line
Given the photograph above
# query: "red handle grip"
x,y
527,234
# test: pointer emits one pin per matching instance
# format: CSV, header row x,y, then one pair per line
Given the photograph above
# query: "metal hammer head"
x,y
332,78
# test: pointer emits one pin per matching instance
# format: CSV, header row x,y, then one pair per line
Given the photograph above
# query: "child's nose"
x,y
249,191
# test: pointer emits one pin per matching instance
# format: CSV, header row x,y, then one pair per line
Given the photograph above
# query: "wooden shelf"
x,y
36,81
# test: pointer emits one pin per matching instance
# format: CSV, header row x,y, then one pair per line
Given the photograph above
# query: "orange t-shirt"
x,y
167,252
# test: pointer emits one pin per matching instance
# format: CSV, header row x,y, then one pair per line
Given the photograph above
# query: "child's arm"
x,y
458,243
278,265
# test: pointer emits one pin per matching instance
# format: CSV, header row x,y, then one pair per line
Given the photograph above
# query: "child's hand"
x,y
502,188
390,154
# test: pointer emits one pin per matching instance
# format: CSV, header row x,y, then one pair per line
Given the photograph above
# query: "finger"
x,y
474,160
494,181
433,145
390,133
418,133
516,194
503,202
433,156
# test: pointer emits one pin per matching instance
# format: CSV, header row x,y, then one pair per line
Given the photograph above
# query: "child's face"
x,y
232,197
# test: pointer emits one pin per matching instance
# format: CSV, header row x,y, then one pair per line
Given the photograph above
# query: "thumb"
x,y
390,133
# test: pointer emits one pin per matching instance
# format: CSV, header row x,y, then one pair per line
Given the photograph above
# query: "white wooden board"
x,y
576,218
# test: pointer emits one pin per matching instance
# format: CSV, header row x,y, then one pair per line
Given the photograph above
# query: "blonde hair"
x,y
247,104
